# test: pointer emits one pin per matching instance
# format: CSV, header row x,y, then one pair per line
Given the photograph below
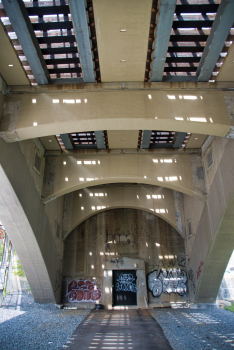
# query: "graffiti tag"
x,y
125,283
191,278
180,261
80,291
200,269
167,281
59,276
116,261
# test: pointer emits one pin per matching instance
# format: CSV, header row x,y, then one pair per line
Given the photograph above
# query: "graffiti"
x,y
117,241
59,276
117,261
167,281
182,261
125,283
80,291
157,266
200,269
191,278
177,261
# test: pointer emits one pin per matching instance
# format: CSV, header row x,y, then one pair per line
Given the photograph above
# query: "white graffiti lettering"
x,y
125,283
167,281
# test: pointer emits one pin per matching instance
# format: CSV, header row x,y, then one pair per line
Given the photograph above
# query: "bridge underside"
x,y
117,148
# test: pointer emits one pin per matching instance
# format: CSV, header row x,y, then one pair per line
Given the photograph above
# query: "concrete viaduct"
x,y
152,184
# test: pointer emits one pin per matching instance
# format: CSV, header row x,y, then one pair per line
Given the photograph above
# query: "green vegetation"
x,y
5,292
229,308
19,271
1,250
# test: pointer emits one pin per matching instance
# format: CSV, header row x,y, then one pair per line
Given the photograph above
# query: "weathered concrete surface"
x,y
124,329
30,148
29,230
49,178
216,147
2,99
188,209
54,213
9,120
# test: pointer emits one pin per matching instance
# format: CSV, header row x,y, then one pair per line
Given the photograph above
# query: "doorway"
x,y
124,287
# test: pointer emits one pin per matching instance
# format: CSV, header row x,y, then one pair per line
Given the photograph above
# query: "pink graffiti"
x,y
200,269
79,291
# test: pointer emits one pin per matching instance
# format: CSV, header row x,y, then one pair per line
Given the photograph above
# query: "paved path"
x,y
122,329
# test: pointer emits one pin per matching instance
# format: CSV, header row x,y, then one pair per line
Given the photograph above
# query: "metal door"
x,y
124,287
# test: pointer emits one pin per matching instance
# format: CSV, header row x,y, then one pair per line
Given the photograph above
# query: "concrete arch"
x,y
91,201
124,207
65,174
24,241
214,241
218,257
175,109
27,224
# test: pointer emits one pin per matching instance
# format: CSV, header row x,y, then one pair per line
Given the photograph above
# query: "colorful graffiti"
x,y
167,281
80,291
200,269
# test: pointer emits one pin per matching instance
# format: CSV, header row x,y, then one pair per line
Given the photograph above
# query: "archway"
x,y
123,239
82,204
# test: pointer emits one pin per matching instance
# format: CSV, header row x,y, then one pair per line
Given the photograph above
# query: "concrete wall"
x,y
101,240
216,147
2,100
30,148
54,213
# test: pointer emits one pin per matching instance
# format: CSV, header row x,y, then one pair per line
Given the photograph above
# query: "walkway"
x,y
122,329
25,324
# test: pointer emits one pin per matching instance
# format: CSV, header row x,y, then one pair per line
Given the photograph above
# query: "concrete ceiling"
x,y
196,141
131,45
122,138
109,17
50,143
14,75
226,72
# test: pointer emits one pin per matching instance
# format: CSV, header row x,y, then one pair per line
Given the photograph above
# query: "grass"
x,y
229,308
